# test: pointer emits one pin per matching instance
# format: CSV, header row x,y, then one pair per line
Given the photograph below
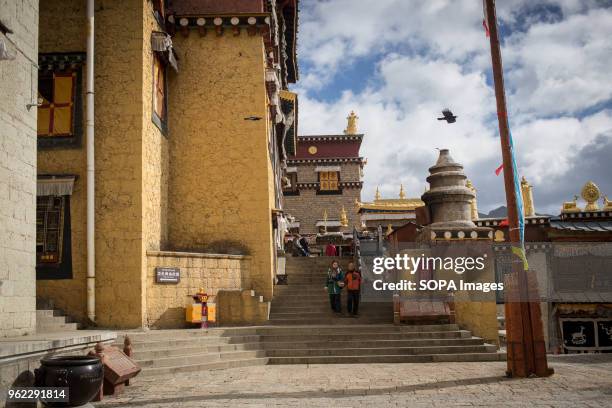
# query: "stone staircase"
x,y
53,320
163,352
303,330
304,300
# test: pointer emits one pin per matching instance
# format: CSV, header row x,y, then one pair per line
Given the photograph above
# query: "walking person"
x,y
353,287
330,250
335,282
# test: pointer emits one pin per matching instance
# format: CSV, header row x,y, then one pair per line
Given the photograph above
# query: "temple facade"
x,y
388,213
323,182
190,136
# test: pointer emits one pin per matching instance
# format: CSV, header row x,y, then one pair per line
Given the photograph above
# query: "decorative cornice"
x,y
326,160
342,184
331,138
495,222
254,23
60,60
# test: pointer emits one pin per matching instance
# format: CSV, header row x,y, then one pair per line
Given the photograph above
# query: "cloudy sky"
x,y
397,63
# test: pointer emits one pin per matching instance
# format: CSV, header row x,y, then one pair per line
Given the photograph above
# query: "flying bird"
x,y
448,116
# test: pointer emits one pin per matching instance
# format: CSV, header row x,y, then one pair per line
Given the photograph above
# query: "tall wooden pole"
x,y
524,332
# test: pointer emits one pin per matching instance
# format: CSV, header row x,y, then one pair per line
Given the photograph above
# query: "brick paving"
x,y
579,381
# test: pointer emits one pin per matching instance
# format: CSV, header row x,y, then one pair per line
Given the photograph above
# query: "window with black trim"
x,y
160,102
53,252
329,182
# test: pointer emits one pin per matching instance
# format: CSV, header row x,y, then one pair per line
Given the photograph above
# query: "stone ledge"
x,y
173,254
16,348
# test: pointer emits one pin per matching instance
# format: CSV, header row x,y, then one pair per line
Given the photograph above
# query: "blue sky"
x,y
397,63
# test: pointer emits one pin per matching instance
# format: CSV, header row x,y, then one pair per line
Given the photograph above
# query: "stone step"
x,y
326,308
173,334
424,358
43,327
44,313
186,350
217,365
378,351
201,358
359,330
330,321
188,342
366,337
379,344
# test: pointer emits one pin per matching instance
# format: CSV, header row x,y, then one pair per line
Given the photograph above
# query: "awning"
x,y
291,170
162,43
327,168
55,185
329,223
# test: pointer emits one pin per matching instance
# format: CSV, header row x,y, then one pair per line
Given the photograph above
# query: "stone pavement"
x,y
579,381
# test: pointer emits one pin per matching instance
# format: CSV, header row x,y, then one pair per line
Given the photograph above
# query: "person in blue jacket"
x,y
334,285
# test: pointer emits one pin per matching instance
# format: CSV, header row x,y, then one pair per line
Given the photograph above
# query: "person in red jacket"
x,y
352,281
330,250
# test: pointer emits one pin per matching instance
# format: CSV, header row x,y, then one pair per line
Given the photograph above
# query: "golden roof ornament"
x,y
402,194
473,201
377,194
571,206
343,218
527,193
389,230
590,193
351,128
607,204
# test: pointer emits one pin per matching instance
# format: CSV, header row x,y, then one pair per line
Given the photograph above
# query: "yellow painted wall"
x,y
62,29
131,160
221,183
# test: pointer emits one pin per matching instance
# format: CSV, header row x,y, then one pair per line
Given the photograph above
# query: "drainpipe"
x,y
89,124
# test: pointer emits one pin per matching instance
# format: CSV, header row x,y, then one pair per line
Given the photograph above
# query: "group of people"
x,y
337,280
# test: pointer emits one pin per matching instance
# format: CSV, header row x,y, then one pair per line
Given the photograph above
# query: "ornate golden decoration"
x,y
343,218
590,193
313,150
389,230
571,206
377,194
402,194
351,128
607,204
473,201
527,192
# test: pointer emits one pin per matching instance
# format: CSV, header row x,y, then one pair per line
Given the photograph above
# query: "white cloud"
x,y
431,55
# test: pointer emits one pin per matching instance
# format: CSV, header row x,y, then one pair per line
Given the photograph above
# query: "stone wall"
x,y
18,85
166,302
221,182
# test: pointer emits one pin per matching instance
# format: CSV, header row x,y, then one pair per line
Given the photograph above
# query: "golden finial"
x,y
351,128
607,204
377,194
527,192
402,194
590,193
473,201
389,230
325,220
343,218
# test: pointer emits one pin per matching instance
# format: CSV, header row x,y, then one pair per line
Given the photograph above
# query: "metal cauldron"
x,y
83,375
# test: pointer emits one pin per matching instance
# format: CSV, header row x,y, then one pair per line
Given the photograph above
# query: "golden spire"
x,y
343,218
527,192
607,204
351,128
325,220
590,193
402,194
473,201
377,194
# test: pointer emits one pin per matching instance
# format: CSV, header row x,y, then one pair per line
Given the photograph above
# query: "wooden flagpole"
x,y
524,332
